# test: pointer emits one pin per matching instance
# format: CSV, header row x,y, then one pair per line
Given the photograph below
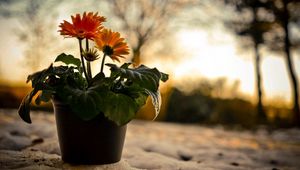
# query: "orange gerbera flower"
x,y
111,44
86,27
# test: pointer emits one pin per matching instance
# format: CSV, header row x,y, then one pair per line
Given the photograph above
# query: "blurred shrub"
x,y
280,117
11,96
198,107
189,108
8,100
233,111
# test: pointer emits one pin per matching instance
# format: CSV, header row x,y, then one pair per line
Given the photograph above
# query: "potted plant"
x,y
92,111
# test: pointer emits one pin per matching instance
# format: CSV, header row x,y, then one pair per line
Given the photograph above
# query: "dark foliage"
x,y
202,108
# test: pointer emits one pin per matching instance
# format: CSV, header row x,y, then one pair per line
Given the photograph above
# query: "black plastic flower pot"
x,y
97,141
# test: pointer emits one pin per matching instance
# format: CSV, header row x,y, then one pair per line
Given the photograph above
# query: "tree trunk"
x,y
260,109
289,62
136,60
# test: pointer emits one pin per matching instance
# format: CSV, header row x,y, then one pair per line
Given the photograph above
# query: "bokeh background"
x,y
231,62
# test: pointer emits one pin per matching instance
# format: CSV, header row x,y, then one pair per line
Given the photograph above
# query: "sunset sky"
x,y
204,52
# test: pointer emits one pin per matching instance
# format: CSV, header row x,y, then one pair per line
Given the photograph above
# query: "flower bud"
x,y
90,55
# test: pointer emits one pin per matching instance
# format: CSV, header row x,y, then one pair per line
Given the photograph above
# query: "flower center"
x,y
90,57
108,50
80,34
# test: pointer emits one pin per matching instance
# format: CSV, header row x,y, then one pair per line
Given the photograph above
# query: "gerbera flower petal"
x,y
87,26
111,44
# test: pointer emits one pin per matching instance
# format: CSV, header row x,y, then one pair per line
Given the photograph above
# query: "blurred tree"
x,y
251,27
145,21
272,22
286,16
36,25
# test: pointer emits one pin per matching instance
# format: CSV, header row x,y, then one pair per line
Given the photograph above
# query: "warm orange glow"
x,y
86,27
111,44
215,56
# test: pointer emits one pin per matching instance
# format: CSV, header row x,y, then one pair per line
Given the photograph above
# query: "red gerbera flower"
x,y
86,27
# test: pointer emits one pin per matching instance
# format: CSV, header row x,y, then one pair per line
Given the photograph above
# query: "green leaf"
x,y
115,70
62,70
49,81
38,100
24,109
118,107
141,99
98,78
137,93
164,77
156,101
145,77
85,103
39,76
45,96
125,65
68,59
97,99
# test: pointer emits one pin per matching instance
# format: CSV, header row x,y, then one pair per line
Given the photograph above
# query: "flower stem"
x,y
102,64
82,61
88,63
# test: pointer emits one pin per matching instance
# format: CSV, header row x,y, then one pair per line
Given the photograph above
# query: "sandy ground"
x,y
153,145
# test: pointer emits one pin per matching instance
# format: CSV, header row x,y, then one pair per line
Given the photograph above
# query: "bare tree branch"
x,y
145,21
